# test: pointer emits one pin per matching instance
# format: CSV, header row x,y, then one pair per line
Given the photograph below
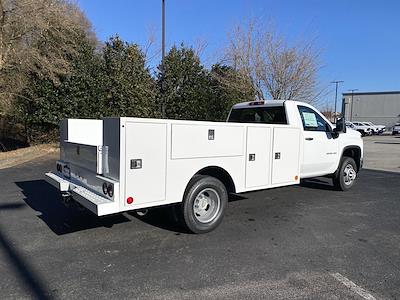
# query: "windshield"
x,y
265,115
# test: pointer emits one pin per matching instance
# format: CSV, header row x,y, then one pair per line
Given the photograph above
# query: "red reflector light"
x,y
129,200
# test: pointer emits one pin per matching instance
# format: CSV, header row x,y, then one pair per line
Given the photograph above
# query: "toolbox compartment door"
x,y
286,156
203,141
258,157
145,169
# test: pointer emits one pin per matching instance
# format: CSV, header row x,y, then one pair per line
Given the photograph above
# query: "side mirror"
x,y
340,126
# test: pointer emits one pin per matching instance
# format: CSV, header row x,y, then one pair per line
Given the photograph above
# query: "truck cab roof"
x,y
259,103
282,112
270,103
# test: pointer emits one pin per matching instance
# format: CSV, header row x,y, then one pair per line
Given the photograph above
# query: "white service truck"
x,y
121,164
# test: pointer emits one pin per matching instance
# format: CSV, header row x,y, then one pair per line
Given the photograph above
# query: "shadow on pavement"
x,y
11,206
44,198
319,184
28,277
167,217
388,143
236,197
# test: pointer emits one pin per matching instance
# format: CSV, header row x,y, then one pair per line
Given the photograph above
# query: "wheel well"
x,y
355,153
220,174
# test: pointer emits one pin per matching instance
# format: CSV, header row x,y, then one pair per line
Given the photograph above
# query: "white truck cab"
x,y
119,164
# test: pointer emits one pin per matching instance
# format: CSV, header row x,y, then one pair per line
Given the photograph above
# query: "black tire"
x,y
345,176
211,190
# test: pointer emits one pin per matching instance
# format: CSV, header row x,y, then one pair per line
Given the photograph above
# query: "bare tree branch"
x,y
275,68
36,36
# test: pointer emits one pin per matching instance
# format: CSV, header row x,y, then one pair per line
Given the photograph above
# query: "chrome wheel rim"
x,y
206,205
349,174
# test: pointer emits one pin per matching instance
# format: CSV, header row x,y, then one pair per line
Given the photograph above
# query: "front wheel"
x,y
346,174
204,204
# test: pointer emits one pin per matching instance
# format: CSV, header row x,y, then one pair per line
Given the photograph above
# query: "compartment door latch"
x,y
136,163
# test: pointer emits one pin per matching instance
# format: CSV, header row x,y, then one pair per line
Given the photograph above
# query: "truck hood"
x,y
352,133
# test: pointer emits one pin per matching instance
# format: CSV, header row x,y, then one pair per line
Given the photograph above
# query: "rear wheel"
x,y
204,204
346,174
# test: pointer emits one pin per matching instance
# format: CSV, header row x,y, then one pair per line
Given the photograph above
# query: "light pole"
x,y
163,31
164,102
336,82
351,107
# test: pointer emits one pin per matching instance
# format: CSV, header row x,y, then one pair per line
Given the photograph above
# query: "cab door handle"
x,y
309,139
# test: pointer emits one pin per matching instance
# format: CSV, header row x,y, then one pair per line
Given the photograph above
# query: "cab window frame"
x,y
258,109
325,128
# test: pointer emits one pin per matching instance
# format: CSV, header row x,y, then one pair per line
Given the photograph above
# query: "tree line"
x,y
53,67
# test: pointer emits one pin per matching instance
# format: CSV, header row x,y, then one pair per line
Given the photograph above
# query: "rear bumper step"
x,y
97,204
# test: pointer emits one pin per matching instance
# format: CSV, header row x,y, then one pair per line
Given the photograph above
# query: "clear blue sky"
x,y
360,39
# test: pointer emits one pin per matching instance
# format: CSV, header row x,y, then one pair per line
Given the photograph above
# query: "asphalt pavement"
x,y
294,242
382,152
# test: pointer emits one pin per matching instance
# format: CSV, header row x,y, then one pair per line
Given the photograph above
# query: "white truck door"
x,y
145,163
286,152
320,151
258,155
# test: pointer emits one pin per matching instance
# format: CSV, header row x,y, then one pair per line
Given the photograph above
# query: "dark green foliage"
x,y
129,88
184,85
114,82
192,92
45,102
228,88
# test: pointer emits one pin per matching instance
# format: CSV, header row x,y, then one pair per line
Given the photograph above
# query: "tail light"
x,y
105,188
108,189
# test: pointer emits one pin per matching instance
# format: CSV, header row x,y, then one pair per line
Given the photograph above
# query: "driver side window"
x,y
312,121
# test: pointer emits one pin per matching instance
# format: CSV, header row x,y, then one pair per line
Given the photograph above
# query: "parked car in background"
x,y
396,129
363,129
378,129
350,125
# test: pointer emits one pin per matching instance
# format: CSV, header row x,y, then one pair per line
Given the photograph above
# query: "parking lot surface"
x,y
295,242
382,152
